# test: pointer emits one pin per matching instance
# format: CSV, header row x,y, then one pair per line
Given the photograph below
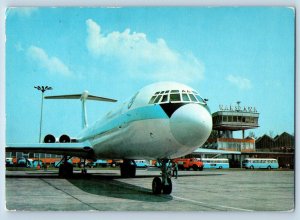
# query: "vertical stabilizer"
x,y
83,98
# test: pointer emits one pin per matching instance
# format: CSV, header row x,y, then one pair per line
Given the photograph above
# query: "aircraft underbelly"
x,y
143,139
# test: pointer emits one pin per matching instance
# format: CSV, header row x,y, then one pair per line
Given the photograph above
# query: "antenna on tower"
x,y
238,103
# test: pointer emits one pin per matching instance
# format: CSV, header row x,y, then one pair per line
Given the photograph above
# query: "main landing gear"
x,y
164,184
128,168
83,167
65,168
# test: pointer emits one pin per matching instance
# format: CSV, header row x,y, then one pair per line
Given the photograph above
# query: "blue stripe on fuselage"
x,y
137,114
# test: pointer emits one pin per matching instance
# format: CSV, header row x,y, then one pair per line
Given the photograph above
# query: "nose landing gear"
x,y
164,184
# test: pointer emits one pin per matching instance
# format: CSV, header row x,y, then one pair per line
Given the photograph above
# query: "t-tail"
x,y
83,97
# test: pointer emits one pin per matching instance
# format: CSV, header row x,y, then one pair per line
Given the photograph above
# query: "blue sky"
x,y
227,54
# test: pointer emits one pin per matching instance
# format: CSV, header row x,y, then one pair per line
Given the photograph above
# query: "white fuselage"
x,y
162,120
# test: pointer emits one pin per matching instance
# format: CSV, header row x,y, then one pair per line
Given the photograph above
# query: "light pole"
x,y
42,89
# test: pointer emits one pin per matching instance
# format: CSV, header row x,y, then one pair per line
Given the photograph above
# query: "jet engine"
x,y
64,139
49,138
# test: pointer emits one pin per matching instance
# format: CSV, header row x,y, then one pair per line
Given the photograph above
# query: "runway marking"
x,y
203,203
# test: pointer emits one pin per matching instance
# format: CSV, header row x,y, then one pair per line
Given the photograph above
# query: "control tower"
x,y
229,119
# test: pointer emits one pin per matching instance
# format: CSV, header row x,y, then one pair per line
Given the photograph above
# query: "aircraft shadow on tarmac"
x,y
110,186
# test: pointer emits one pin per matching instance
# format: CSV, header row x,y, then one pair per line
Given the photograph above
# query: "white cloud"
x,y
141,58
22,11
52,64
240,82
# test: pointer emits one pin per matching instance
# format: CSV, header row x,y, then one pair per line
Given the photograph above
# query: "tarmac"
x,y
233,190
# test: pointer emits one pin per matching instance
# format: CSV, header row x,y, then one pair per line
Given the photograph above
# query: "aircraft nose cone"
x,y
191,125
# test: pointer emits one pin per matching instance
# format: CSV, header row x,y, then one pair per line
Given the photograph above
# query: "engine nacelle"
x,y
49,138
64,139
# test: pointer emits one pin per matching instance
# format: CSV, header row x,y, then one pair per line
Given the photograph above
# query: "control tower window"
x,y
234,118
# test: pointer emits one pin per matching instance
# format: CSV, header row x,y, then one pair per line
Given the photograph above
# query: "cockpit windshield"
x,y
175,96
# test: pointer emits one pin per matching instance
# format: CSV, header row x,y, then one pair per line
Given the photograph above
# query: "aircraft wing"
x,y
81,149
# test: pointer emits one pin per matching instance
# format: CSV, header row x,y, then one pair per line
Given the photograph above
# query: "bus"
x,y
263,163
142,163
217,163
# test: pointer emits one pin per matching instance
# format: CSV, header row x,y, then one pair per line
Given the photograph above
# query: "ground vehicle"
x,y
141,163
36,163
23,162
9,162
100,163
187,163
266,163
218,163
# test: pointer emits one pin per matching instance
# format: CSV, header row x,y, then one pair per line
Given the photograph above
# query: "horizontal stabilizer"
x,y
84,95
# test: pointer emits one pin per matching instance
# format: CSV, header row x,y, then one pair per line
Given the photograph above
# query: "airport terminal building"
x,y
237,118
230,119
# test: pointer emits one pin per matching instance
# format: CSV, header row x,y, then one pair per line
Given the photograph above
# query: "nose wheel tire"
x,y
167,189
156,185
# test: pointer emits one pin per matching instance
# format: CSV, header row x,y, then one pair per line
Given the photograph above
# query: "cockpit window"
x,y
152,99
185,97
164,98
200,99
175,97
157,99
192,97
170,96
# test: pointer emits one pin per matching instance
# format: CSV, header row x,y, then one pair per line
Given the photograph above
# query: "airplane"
x,y
162,121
